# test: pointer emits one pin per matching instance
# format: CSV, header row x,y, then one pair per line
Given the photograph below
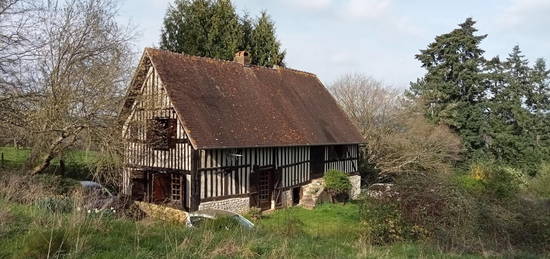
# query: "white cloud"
x,y
367,9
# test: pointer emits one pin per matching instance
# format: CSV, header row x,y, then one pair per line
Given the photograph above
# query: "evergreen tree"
x,y
508,120
264,46
454,86
186,27
213,29
246,29
225,34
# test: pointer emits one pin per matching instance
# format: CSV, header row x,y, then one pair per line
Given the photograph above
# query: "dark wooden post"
x,y
195,181
62,167
2,161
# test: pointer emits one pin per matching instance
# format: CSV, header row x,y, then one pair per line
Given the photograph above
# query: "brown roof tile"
x,y
224,104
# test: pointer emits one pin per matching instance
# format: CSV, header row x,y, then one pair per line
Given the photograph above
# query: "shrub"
x,y
502,183
494,180
539,185
337,183
382,222
434,204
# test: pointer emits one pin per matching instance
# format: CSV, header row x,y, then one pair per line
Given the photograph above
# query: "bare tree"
x,y
398,137
74,84
17,21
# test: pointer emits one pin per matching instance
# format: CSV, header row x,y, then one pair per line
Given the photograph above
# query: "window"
x,y
338,152
161,133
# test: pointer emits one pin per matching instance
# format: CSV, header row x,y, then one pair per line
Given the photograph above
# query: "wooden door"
x,y
265,189
161,188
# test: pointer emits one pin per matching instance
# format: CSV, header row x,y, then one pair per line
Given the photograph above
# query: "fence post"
x,y
2,160
62,167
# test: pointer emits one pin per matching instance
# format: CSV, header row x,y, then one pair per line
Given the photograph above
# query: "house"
x,y
206,133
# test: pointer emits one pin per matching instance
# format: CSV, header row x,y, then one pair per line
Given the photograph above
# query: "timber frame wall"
x,y
211,174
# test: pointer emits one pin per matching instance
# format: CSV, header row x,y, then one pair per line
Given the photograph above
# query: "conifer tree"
x,y
224,35
213,29
264,45
454,86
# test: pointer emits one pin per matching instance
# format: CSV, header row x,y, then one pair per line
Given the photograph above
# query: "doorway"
x,y
295,196
161,188
265,189
317,161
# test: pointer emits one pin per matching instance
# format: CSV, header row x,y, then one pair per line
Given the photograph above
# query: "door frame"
x,y
270,173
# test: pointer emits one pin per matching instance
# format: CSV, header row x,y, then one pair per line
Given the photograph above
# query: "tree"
x,y
75,78
17,49
499,108
186,28
265,47
213,29
225,33
398,137
453,89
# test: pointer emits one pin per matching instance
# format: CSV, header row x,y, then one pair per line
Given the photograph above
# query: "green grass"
x,y
18,156
76,161
331,231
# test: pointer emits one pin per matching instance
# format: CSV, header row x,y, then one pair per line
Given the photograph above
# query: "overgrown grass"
x,y
331,231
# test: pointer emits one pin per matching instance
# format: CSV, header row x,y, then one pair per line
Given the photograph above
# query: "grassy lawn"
x,y
76,161
331,231
18,156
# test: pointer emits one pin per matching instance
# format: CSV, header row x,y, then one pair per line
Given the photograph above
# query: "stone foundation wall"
x,y
355,186
237,205
286,198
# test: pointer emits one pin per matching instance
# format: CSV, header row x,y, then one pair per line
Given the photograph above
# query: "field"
x,y
30,230
331,231
76,161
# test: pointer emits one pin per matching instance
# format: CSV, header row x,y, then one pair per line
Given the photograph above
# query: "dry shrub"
x,y
23,188
447,213
424,207
417,146
399,138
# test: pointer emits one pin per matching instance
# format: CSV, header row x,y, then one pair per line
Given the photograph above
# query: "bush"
x,y
502,182
497,181
539,185
382,222
337,183
438,207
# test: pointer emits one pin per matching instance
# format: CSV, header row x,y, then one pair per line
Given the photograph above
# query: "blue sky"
x,y
376,37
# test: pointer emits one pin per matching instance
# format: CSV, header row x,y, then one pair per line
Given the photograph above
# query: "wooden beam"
x,y
195,181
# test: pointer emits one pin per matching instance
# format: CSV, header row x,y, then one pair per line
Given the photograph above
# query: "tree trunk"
x,y
45,162
54,150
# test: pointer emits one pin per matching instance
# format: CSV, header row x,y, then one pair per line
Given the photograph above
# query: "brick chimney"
x,y
242,57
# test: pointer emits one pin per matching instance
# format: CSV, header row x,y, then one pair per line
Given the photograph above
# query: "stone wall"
x,y
355,186
237,205
286,198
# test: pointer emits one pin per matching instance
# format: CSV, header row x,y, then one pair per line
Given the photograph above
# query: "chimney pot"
x,y
242,57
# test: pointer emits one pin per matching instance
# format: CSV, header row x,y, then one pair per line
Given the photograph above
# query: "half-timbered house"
x,y
206,133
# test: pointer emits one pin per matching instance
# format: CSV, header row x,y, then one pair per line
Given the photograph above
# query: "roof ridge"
x,y
231,62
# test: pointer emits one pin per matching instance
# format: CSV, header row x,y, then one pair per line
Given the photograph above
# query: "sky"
x,y
378,38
